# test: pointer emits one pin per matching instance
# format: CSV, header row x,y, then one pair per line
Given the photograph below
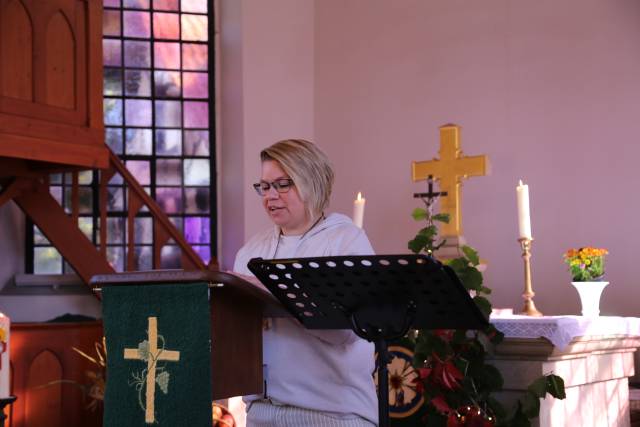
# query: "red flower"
x,y
424,372
447,375
468,416
441,405
445,334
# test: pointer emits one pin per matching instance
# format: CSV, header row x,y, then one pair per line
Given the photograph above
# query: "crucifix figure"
x,y
152,357
449,170
430,196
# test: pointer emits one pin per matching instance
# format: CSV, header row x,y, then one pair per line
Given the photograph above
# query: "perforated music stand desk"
x,y
379,297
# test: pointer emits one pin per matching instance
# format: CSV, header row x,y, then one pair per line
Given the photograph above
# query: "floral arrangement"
x,y
453,372
96,378
586,264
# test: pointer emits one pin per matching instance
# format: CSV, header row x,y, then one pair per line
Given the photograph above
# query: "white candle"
x,y
358,210
524,218
4,356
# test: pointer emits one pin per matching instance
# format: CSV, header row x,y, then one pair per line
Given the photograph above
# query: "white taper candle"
x,y
524,217
358,210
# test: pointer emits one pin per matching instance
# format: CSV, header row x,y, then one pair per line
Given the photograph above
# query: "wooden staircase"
x,y
31,194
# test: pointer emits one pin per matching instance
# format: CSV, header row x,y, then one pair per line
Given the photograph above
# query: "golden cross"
x,y
450,169
154,356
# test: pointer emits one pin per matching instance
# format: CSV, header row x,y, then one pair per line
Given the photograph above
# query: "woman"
x,y
313,377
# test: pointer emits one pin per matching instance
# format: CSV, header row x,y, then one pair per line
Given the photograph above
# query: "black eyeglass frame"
x,y
282,185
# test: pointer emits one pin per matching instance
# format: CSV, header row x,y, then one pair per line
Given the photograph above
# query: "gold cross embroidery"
x,y
155,355
450,169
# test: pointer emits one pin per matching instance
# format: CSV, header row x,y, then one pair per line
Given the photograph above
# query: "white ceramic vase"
x,y
590,293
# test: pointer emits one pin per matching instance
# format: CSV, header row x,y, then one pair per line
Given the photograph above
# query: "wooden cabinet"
x,y
51,83
46,374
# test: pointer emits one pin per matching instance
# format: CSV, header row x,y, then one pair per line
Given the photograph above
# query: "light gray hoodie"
x,y
323,370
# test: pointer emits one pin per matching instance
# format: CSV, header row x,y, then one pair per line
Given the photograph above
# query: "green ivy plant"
x,y
457,382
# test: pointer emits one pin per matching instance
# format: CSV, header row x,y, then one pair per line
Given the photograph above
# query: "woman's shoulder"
x,y
340,222
257,246
343,236
258,240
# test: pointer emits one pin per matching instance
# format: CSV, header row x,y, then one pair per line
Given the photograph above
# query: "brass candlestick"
x,y
529,307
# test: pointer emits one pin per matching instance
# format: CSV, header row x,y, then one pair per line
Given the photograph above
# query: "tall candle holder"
x,y
529,306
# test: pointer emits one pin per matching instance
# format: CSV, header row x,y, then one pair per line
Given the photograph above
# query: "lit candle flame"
x,y
359,196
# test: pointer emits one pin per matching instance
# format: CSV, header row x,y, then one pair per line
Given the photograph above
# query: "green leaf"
x,y
494,335
459,336
483,304
490,378
458,264
486,290
429,231
470,277
418,243
530,405
428,343
519,418
442,217
419,214
555,386
473,279
471,254
496,407
539,387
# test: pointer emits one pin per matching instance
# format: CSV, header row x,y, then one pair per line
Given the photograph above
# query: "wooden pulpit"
x,y
237,308
50,86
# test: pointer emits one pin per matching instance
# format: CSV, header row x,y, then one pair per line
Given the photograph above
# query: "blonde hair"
x,y
309,168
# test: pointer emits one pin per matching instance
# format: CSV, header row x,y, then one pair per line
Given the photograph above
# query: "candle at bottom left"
x,y
5,325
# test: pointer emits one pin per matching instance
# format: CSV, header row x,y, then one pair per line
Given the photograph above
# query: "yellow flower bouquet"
x,y
586,264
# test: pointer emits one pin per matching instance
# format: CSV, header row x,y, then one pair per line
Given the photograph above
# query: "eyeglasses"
x,y
282,185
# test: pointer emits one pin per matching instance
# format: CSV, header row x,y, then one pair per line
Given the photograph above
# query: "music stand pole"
x,y
383,382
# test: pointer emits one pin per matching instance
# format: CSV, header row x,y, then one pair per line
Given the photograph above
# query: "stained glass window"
x,y
157,115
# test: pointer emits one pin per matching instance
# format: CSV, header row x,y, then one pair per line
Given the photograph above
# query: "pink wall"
x,y
549,90
267,73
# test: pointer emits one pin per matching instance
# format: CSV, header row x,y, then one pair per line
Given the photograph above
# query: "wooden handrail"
x,y
164,229
33,196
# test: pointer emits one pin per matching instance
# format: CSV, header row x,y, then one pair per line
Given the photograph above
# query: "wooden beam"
x,y
62,232
15,188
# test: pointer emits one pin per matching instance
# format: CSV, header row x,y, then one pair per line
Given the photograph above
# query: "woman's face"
x,y
286,210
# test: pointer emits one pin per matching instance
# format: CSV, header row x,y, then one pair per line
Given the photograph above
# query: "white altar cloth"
x,y
594,356
561,330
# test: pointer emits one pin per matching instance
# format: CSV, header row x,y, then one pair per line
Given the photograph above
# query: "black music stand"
x,y
379,297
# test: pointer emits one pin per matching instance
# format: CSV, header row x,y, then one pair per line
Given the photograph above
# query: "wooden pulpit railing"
x,y
163,228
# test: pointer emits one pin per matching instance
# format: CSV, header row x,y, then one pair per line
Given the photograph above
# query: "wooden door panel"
x,y
57,61
16,48
44,402
51,81
60,65
42,353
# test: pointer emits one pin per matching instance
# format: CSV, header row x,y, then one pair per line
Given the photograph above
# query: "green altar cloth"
x,y
158,355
